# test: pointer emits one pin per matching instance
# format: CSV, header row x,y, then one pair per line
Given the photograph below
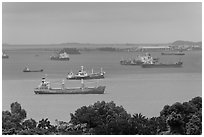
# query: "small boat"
x,y
139,60
173,53
62,56
26,69
45,88
163,65
4,56
84,75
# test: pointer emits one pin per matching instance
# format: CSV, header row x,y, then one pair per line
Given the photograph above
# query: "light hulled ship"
x,y
139,60
45,88
62,56
82,74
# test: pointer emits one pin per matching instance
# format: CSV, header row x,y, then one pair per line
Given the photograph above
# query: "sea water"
x,y
137,89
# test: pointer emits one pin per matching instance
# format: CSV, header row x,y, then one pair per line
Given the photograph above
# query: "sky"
x,y
100,22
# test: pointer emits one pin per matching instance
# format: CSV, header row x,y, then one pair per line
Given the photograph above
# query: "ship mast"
x,y
63,84
82,68
82,83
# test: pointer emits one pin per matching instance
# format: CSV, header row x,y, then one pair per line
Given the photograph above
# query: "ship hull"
x,y
61,59
172,53
5,57
97,90
135,63
87,77
66,59
161,65
130,63
33,70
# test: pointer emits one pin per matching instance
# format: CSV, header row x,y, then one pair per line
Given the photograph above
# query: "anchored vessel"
x,y
44,88
172,53
84,75
162,65
5,56
62,56
139,60
26,69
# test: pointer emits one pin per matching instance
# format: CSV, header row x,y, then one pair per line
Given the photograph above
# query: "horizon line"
x,y
96,43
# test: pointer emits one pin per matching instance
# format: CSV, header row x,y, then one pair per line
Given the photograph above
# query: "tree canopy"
x,y
106,118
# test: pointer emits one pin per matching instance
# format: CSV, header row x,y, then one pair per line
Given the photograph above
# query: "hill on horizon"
x,y
95,45
189,43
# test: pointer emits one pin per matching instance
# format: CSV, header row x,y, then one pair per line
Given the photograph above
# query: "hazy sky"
x,y
46,23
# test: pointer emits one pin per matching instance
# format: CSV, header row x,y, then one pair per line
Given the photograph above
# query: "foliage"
x,y
29,124
103,118
109,119
194,126
175,123
183,113
11,121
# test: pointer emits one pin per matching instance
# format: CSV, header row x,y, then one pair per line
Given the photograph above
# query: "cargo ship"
x,y
163,65
139,60
84,75
26,69
172,53
45,88
62,56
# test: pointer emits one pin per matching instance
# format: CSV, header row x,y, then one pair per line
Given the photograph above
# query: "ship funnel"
x,y
92,71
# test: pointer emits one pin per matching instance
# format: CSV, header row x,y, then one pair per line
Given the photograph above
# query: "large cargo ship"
x,y
84,75
44,88
139,60
172,53
62,56
163,65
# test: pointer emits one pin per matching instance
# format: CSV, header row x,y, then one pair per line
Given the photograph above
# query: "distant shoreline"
x,y
104,47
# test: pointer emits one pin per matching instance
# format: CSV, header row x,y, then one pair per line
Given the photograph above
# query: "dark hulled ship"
x,y
163,65
26,69
173,53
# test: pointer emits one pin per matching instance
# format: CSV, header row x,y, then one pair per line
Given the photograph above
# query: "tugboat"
x,y
45,88
139,60
26,69
4,56
84,75
62,56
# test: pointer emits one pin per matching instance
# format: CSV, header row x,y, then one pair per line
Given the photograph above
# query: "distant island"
x,y
75,48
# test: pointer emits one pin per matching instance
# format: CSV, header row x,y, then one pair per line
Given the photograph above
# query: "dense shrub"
x,y
109,119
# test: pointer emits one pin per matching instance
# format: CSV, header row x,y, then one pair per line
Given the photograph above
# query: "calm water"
x,y
138,90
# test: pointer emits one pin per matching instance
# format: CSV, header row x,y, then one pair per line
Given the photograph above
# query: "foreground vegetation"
x,y
105,118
